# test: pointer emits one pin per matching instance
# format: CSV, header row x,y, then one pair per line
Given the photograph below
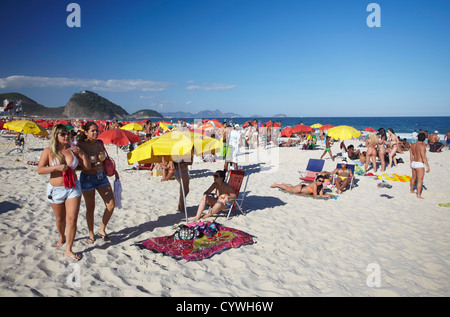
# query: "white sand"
x,y
305,247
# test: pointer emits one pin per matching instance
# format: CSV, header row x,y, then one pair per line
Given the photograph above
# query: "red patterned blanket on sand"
x,y
198,249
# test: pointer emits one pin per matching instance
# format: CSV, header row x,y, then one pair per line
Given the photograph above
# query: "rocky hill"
x,y
31,107
146,113
88,104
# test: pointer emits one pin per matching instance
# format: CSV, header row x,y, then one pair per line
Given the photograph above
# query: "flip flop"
x,y
105,237
76,257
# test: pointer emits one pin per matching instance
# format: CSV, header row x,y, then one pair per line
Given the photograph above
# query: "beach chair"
x,y
235,178
350,167
314,166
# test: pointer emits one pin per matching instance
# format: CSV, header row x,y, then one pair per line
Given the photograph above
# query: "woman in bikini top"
x,y
59,157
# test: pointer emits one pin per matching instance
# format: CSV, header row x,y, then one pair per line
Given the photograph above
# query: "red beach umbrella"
x,y
119,137
286,132
370,129
301,128
326,127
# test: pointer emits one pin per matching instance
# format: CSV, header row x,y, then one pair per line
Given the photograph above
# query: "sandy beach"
x,y
304,247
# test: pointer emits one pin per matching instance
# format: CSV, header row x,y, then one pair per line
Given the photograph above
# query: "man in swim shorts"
x,y
419,161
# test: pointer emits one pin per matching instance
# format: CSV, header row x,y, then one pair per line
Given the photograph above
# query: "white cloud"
x,y
212,87
113,85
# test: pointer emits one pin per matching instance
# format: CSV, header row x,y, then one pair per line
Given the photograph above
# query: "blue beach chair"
x,y
314,166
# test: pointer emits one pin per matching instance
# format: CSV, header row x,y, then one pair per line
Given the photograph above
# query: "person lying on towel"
x,y
315,188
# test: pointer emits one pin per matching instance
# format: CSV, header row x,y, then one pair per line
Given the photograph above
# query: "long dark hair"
x,y
382,133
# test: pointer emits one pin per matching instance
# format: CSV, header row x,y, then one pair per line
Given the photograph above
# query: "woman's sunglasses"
x,y
63,134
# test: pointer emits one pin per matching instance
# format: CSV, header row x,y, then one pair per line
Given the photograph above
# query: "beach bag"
x,y
108,164
187,233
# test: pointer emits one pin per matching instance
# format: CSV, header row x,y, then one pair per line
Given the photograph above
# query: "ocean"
x,y
402,126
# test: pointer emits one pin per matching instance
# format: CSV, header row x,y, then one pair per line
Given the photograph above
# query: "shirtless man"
x,y
225,193
418,160
433,142
447,137
148,130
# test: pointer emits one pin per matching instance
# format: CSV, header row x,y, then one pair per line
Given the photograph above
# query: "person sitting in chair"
x,y
225,192
344,176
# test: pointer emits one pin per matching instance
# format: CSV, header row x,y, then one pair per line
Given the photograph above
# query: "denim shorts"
x,y
93,181
59,194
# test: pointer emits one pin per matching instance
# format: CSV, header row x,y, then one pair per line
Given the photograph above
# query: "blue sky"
x,y
250,57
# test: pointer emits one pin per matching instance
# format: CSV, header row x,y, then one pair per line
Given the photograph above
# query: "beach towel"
x,y
118,193
198,249
309,196
395,177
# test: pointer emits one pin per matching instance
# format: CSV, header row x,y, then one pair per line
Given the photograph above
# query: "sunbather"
x,y
314,188
344,176
225,194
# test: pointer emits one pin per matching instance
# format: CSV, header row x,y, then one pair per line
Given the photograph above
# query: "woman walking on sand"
x,y
64,189
94,178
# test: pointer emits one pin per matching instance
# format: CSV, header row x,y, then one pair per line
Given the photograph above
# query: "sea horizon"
x,y
400,124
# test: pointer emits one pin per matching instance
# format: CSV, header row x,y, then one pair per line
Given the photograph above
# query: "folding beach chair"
x,y
314,166
235,178
350,167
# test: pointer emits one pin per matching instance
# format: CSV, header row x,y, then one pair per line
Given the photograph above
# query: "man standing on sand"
x,y
418,159
447,137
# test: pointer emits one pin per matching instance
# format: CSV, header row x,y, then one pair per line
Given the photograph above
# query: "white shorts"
x,y
417,165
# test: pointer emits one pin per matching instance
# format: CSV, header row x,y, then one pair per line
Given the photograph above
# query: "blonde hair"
x,y
373,138
55,154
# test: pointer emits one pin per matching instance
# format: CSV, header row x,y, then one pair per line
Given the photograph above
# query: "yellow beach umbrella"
x,y
316,126
173,146
133,126
26,126
165,125
343,132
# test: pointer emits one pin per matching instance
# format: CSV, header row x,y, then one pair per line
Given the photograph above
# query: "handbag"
x,y
108,164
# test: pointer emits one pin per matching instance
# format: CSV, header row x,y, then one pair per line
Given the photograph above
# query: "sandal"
x,y
76,257
105,237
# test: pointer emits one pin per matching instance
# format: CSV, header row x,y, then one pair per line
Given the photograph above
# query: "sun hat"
x,y
435,132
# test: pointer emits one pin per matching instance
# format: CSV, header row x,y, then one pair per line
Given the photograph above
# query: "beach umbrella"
x,y
301,128
247,123
26,126
369,129
343,132
208,126
286,132
174,146
316,126
164,125
133,126
326,127
119,137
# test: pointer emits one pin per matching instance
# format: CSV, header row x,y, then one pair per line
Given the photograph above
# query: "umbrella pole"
x,y
182,189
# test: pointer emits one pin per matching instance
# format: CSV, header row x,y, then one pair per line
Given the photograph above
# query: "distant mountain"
x,y
280,115
88,104
146,113
31,107
202,114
